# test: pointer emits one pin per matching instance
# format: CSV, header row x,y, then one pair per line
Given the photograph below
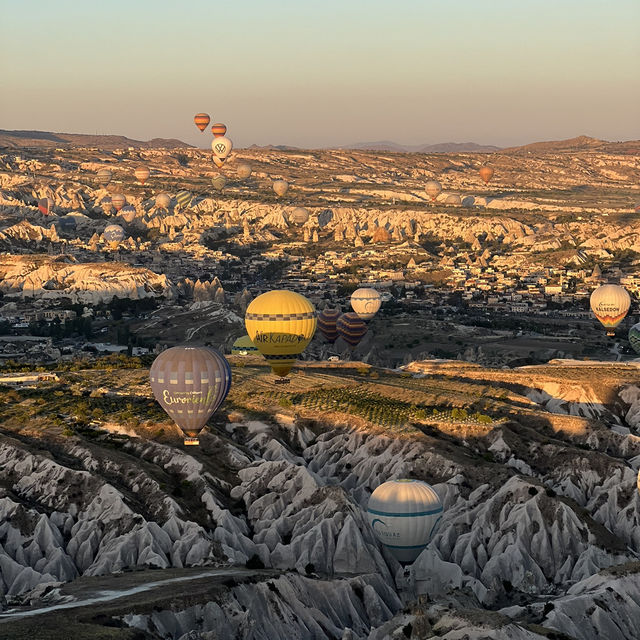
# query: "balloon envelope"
x,y
299,216
202,120
67,224
365,302
351,328
218,129
163,200
327,323
127,213
610,304
183,198
433,189
280,187
190,384
45,206
486,173
219,182
142,174
281,324
104,176
244,170
634,337
453,198
404,515
113,234
244,346
118,201
106,204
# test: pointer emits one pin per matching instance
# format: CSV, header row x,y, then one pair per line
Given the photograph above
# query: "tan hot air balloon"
x,y
486,173
219,182
142,174
163,200
243,170
299,216
118,201
433,189
610,303
280,187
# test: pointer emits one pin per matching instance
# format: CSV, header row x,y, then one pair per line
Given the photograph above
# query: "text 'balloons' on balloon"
x,y
163,200
219,182
118,201
327,320
280,187
351,328
218,129
299,216
190,384
244,346
45,206
142,174
104,176
281,324
243,170
113,235
404,515
610,303
202,120
432,189
634,337
183,198
365,302
486,173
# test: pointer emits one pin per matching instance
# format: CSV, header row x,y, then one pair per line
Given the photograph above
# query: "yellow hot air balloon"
x,y
281,324
610,304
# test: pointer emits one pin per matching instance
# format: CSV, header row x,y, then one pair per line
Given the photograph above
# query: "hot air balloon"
x,y
243,346
104,176
202,120
280,187
183,198
404,515
365,302
142,174
118,201
299,216
66,224
219,182
45,205
218,129
243,170
351,328
453,198
190,384
106,205
327,324
127,213
221,148
433,189
281,324
163,200
486,173
610,304
634,337
113,234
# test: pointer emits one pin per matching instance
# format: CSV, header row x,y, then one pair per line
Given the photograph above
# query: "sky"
x,y
321,73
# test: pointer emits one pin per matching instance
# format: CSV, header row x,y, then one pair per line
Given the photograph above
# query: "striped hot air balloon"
x,y
106,205
190,384
113,234
327,324
118,201
183,199
486,173
404,515
104,176
634,337
610,303
281,324
142,174
202,120
218,129
45,206
366,302
221,148
351,328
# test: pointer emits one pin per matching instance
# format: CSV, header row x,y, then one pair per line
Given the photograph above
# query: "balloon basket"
x,y
191,442
611,334
282,381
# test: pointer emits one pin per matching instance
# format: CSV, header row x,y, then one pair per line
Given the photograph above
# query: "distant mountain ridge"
x,y
19,139
442,147
579,143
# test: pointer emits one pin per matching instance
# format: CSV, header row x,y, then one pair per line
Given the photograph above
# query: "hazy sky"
x,y
327,72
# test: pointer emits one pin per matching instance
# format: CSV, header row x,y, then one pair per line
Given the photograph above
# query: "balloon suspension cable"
x,y
191,441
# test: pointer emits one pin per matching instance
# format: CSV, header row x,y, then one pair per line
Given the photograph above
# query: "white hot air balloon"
x,y
433,189
221,148
365,302
280,187
299,216
243,170
404,515
610,304
163,200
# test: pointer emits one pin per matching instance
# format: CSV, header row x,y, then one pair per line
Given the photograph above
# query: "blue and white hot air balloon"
x,y
404,515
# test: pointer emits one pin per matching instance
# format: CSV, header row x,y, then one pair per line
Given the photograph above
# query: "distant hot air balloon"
x,y
113,234
45,205
281,324
351,328
486,173
280,187
637,208
610,304
433,189
404,515
104,176
299,216
118,201
202,120
106,205
243,346
327,320
365,302
218,129
453,198
163,200
142,174
243,170
190,384
219,182
634,337
127,213
183,199
221,148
